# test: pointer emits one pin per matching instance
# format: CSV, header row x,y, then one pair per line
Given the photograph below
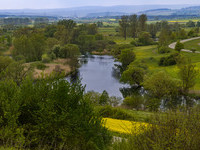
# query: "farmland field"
x,y
125,127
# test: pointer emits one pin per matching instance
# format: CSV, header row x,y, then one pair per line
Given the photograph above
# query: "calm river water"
x,y
99,73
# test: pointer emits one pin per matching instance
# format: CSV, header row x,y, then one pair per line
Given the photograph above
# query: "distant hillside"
x,y
107,14
159,12
195,10
85,11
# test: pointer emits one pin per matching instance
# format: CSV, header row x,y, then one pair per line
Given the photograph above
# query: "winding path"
x,y
172,46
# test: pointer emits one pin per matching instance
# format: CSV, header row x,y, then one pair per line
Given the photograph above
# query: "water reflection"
x,y
100,73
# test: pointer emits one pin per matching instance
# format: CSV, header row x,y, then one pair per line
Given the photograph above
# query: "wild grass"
x,y
195,44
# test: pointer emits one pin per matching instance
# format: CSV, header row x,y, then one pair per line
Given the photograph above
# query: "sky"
x,y
44,4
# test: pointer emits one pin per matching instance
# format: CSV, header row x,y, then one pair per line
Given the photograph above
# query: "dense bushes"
x,y
169,60
49,114
174,130
115,113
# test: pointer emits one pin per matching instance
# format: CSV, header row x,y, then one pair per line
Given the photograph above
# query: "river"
x,y
100,73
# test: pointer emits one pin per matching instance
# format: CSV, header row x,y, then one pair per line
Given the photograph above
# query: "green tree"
x,y
126,57
133,25
69,51
135,101
30,46
104,98
4,63
68,24
161,85
198,24
124,24
145,38
188,74
190,24
63,35
152,29
133,75
179,46
142,22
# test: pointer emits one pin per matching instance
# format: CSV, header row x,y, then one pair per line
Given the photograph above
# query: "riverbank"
x,y
58,65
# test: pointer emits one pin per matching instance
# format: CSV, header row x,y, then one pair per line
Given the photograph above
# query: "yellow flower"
x,y
123,126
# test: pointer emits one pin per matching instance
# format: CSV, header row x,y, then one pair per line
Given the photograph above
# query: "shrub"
x,y
134,43
163,49
145,39
179,46
135,102
174,130
49,114
168,61
46,58
39,65
115,113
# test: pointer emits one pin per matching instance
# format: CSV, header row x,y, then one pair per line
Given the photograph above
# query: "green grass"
x,y
194,44
149,56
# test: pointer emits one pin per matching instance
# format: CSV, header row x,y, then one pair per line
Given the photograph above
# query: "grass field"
x,y
150,57
195,44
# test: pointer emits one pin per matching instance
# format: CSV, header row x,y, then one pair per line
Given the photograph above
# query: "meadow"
x,y
149,56
195,44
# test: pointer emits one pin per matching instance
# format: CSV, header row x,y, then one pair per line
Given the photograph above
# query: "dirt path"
x,y
172,46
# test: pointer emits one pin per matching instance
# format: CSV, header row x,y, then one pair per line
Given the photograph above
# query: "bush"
x,y
49,114
39,65
46,58
145,39
134,43
179,46
179,130
163,50
168,61
134,102
115,113
19,58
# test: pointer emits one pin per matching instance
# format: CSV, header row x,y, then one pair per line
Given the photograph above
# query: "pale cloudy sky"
x,y
19,4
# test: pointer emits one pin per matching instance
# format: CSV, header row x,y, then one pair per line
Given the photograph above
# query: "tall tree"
x,y
124,24
142,22
133,25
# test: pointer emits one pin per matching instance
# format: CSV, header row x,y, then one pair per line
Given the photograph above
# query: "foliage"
x,y
163,49
124,26
161,85
69,51
134,102
175,130
142,22
179,46
190,24
104,98
115,113
133,75
4,63
188,74
126,57
169,60
144,39
133,25
31,46
46,58
28,110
